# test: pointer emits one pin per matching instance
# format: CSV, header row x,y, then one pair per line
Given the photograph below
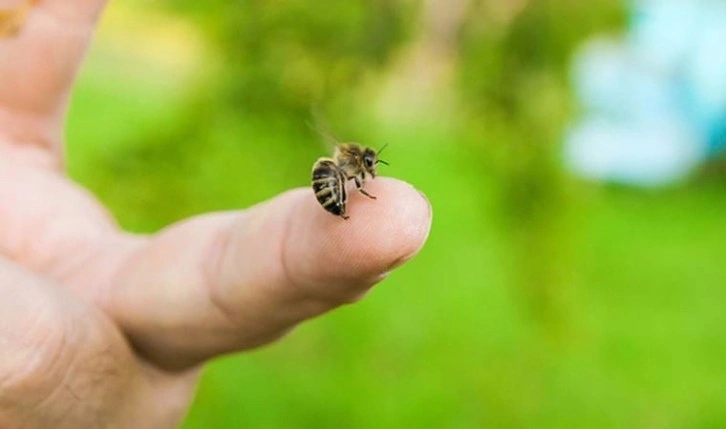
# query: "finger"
x,y
38,63
229,282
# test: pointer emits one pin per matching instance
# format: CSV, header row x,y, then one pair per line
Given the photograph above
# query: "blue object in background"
x,y
654,102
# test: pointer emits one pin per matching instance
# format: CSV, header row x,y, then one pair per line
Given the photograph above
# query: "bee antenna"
x,y
381,149
383,162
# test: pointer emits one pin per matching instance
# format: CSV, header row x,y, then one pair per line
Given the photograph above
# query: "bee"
x,y
350,161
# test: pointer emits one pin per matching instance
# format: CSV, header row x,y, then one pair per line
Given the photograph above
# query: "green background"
x,y
539,301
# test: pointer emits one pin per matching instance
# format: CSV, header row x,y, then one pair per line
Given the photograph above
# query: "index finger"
x,y
234,281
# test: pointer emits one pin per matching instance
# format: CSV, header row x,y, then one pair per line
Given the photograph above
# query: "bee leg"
x,y
359,185
343,215
363,191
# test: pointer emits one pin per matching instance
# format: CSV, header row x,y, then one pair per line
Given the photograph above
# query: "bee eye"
x,y
368,161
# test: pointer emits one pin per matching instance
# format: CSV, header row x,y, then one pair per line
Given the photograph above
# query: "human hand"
x,y
102,328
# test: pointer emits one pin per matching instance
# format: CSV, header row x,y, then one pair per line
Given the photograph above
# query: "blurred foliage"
x,y
513,84
538,301
280,58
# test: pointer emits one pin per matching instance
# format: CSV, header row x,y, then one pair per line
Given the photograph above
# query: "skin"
x,y
101,328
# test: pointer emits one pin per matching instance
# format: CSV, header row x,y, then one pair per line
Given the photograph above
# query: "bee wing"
x,y
320,126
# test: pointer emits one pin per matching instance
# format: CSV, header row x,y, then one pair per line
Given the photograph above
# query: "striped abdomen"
x,y
329,186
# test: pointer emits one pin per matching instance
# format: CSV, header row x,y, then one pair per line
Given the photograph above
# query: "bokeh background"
x,y
541,300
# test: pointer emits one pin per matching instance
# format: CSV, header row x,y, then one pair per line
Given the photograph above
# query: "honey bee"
x,y
350,161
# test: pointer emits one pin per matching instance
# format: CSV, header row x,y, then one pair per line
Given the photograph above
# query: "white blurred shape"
x,y
645,153
654,102
662,32
706,70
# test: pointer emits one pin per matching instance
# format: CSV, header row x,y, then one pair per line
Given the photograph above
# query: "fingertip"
x,y
395,226
351,255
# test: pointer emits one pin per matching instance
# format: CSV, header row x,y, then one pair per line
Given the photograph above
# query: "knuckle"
x,y
32,362
63,370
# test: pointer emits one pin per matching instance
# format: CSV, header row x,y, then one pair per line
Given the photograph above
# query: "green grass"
x,y
449,340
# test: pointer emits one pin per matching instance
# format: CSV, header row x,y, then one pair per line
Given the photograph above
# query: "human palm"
x,y
101,328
